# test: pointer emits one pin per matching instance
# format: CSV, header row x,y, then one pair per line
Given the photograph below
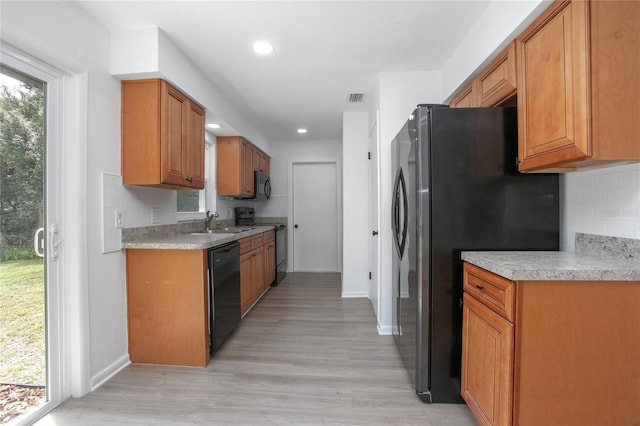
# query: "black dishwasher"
x,y
224,293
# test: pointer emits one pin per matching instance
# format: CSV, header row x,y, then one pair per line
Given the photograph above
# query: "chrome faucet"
x,y
209,218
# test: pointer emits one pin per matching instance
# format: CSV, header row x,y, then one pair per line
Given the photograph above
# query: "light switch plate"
x,y
119,219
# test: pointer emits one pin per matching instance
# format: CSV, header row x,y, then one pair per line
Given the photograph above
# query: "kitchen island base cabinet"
x,y
167,300
576,346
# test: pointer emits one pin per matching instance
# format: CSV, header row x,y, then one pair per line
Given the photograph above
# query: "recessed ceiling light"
x,y
213,126
262,47
302,131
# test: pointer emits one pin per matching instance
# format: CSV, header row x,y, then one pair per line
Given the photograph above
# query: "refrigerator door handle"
x,y
405,209
400,229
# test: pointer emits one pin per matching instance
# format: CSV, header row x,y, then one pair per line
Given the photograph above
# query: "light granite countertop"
x,y
597,258
186,241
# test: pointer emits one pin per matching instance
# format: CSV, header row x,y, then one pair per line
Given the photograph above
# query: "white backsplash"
x,y
136,204
602,201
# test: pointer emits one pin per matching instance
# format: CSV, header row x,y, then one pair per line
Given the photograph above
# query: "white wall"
x,y
355,204
602,201
168,62
398,95
63,34
284,154
498,25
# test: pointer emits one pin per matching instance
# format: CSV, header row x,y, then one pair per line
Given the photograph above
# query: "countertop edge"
x,y
191,242
552,266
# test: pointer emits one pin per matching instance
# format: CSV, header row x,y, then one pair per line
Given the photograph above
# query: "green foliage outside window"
x,y
22,132
188,200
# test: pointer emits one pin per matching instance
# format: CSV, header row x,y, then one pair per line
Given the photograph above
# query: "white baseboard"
x,y
385,330
104,376
346,294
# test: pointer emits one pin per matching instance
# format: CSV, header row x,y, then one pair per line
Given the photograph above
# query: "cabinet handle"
x,y
188,179
479,287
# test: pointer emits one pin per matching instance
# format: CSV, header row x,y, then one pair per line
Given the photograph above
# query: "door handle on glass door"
x,y
38,242
55,241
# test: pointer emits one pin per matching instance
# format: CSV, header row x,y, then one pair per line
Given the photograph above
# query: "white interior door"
x,y
374,225
315,217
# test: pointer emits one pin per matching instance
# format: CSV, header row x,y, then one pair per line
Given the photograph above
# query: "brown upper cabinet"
x,y
498,80
495,84
578,86
162,136
261,162
236,161
466,98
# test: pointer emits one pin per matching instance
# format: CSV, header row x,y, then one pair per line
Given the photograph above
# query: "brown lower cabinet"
x,y
550,352
167,307
257,267
167,299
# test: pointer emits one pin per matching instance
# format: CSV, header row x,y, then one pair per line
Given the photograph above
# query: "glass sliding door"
x,y
29,347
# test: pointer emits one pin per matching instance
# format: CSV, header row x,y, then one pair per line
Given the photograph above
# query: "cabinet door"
x,y
174,130
466,98
552,88
257,155
245,282
257,273
229,164
262,162
269,263
195,147
487,363
247,157
162,136
167,307
498,81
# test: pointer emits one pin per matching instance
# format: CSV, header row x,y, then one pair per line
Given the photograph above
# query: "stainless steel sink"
x,y
222,231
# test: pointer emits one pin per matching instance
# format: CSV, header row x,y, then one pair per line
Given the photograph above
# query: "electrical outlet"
x,y
155,215
119,219
230,213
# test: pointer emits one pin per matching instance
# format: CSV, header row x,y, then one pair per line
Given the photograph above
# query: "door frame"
x,y
53,270
290,242
66,127
374,198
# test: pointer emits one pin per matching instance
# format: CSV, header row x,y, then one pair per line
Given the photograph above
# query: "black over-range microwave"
x,y
262,186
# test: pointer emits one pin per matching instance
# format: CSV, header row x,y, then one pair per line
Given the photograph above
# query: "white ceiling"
x,y
324,50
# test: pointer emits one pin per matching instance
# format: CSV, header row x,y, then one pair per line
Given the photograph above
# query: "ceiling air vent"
x,y
356,97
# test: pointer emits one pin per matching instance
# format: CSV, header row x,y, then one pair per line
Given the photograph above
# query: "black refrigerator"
x,y
456,188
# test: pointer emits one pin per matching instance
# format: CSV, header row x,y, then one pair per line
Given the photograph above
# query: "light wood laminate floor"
x,y
302,356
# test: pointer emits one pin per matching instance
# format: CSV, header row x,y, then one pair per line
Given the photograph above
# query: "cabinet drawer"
x,y
246,245
257,241
269,236
493,291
